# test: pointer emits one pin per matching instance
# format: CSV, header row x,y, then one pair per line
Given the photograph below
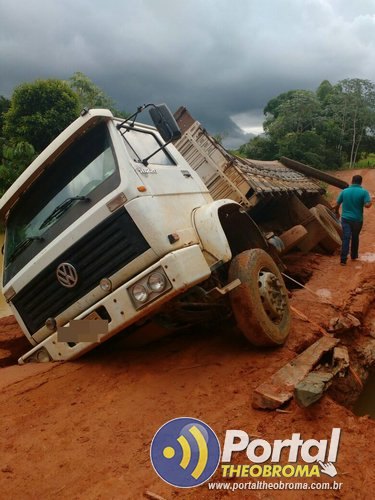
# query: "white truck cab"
x,y
110,225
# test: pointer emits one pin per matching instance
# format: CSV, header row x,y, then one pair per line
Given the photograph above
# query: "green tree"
x,y
291,125
39,111
299,112
4,106
324,91
15,158
352,108
90,95
324,128
307,147
272,107
260,147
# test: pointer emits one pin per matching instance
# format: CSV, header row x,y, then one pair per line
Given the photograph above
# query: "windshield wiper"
x,y
61,209
22,245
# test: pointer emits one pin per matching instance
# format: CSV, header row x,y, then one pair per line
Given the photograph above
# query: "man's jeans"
x,y
351,230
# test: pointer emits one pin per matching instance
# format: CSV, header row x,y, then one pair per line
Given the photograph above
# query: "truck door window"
x,y
83,174
141,144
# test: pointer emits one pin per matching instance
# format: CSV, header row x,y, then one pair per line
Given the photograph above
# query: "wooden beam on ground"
x,y
279,388
312,387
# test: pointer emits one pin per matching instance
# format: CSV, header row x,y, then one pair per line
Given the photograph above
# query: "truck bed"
x,y
228,176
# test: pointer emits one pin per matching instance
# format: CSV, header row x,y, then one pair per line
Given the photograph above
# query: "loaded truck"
x,y
111,227
282,197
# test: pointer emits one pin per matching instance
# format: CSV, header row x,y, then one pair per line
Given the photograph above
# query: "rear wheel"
x,y
335,220
260,304
331,229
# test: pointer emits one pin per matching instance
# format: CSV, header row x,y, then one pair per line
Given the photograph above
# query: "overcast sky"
x,y
222,59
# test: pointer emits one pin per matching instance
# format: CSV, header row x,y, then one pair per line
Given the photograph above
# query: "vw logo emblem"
x,y
67,275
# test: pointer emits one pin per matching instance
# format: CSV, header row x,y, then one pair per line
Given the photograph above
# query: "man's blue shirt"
x,y
353,199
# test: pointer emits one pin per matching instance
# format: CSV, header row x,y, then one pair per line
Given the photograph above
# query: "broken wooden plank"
x,y
340,360
312,387
278,389
292,237
344,323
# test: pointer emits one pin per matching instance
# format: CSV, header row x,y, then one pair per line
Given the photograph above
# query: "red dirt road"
x,y
82,430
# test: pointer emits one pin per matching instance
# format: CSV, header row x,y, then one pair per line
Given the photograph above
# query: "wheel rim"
x,y
273,295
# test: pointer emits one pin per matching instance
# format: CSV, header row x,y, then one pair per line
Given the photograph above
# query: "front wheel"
x,y
260,304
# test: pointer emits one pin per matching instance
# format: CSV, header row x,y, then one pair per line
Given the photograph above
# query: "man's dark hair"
x,y
357,179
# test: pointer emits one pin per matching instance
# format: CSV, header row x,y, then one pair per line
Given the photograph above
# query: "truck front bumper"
x,y
184,268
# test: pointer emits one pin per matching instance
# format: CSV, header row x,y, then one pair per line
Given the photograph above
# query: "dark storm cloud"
x,y
222,59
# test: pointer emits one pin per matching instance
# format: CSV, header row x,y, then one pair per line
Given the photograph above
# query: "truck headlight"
x,y
156,282
149,288
42,356
139,293
39,356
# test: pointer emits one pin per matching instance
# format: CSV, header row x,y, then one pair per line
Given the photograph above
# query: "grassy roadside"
x,y
368,162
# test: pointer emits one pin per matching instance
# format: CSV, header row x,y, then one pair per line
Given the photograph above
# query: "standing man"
x,y
353,199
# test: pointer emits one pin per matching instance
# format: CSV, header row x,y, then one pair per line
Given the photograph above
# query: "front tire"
x,y
260,304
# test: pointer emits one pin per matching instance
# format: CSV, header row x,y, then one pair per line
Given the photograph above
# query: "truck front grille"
x,y
100,253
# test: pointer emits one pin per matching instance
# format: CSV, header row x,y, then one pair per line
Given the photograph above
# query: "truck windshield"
x,y
83,174
141,144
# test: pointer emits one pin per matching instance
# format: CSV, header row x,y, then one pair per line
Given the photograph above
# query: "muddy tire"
x,y
335,221
260,304
331,237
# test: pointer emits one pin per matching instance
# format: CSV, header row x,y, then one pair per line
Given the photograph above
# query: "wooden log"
x,y
278,389
340,360
312,387
292,237
313,172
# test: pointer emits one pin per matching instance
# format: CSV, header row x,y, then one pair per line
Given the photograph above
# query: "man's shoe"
x,y
354,258
343,263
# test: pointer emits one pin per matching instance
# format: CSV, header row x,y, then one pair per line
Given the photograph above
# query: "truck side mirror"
x,y
165,123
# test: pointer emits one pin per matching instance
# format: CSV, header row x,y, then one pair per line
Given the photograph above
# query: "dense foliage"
x,y
326,128
90,95
39,111
15,158
4,106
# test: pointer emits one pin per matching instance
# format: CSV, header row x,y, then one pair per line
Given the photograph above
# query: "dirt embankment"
x,y
83,429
